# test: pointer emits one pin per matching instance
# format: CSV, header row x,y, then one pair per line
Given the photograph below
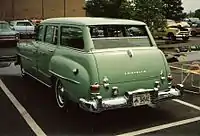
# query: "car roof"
x,y
3,21
92,21
20,21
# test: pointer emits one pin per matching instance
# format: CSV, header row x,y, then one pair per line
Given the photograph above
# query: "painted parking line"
x,y
161,127
169,125
29,120
186,70
187,104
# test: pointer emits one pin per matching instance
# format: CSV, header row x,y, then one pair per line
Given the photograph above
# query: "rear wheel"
x,y
23,73
62,99
171,37
59,91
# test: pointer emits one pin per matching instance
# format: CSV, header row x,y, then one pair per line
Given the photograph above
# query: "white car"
x,y
24,27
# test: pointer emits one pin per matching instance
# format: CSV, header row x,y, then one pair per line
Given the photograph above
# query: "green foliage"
x,y
148,11
197,13
173,9
110,8
126,10
151,12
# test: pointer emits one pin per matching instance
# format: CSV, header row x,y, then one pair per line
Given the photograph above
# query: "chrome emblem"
x,y
135,72
130,53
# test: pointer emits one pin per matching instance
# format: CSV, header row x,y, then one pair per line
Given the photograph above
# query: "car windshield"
x,y
4,26
117,36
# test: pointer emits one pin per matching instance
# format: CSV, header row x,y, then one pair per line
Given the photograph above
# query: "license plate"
x,y
141,99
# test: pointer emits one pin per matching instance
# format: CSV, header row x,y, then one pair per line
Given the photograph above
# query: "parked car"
x,y
8,41
191,20
98,63
172,31
24,27
195,29
185,25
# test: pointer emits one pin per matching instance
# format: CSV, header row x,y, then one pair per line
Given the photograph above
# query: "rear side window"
x,y
39,33
51,34
24,24
72,37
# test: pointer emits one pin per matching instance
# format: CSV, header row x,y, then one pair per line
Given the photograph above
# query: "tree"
x,y
150,12
126,9
197,13
173,9
110,8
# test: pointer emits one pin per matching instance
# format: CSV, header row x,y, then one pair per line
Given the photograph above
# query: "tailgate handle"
x,y
50,50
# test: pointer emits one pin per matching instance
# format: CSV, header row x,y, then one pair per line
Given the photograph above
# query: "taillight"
x,y
95,88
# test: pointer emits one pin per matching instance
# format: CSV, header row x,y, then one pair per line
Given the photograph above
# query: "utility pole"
x,y
13,9
64,8
42,9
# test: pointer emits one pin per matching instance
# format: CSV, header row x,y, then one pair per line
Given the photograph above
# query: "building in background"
x,y
41,9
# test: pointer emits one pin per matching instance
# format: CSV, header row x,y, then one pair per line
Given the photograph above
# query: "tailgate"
x,y
119,66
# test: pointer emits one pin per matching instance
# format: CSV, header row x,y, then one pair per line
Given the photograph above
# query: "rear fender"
x,y
73,75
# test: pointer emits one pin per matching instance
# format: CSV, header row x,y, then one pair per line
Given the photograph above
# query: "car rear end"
x,y
25,28
8,42
132,71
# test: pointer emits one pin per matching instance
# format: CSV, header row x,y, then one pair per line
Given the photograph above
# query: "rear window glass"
x,y
4,26
118,36
24,24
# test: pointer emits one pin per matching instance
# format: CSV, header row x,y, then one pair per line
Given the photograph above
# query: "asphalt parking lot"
x,y
39,103
29,108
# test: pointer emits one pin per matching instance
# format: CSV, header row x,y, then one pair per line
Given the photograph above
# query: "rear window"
x,y
24,24
4,26
119,36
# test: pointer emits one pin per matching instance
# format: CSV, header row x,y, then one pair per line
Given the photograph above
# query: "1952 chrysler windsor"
x,y
98,63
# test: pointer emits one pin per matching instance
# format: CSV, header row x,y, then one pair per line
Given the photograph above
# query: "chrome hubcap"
x,y
60,94
22,71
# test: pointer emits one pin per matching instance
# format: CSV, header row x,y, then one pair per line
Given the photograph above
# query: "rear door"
x,y
125,65
46,51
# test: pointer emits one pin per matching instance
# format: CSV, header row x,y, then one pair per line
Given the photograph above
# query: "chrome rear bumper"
x,y
98,104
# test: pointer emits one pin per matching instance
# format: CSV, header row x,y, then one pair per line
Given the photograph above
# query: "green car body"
x,y
97,63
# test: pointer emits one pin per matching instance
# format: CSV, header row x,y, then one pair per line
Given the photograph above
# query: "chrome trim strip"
x,y
38,79
27,58
65,78
34,68
43,73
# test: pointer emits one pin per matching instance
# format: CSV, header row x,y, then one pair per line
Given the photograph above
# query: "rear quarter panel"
x,y
65,61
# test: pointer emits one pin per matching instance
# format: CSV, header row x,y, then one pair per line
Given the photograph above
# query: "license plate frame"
x,y
141,99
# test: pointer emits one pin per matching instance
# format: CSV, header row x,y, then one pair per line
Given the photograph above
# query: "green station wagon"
x,y
98,63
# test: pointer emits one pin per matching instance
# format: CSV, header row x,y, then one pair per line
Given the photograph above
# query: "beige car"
x,y
173,31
